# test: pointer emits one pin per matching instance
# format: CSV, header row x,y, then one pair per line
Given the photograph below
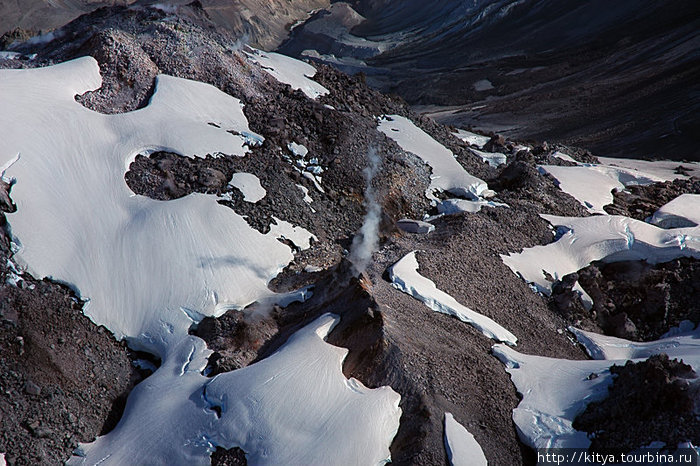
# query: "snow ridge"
x,y
405,277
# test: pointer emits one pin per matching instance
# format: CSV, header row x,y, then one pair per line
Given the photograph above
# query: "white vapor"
x,y
365,242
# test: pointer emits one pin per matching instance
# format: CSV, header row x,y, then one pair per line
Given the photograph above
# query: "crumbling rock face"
x,y
63,380
649,401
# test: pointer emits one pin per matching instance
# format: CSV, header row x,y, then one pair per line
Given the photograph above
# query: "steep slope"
x,y
615,78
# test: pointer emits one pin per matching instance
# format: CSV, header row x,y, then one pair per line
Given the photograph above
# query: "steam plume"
x,y
365,242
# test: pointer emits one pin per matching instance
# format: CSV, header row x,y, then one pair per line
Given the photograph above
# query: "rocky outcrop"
x,y
262,23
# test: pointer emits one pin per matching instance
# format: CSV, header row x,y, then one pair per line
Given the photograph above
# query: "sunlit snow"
x,y
666,170
405,277
609,238
495,159
592,184
249,185
461,446
448,175
294,407
290,71
454,206
555,391
472,138
149,269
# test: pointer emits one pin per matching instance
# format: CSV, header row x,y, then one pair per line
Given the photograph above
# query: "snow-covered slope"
x,y
593,184
289,71
608,238
462,448
294,407
149,269
132,257
555,391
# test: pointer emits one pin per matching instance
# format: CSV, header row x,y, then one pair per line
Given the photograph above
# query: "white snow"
x,y
461,446
410,225
8,55
293,407
682,212
555,391
592,185
455,206
145,263
297,235
149,269
563,156
404,276
472,138
316,180
495,159
290,71
305,191
684,345
299,150
448,174
661,169
249,185
610,238
482,85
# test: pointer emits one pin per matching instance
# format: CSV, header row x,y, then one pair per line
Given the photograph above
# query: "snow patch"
x,y
415,226
288,70
460,445
299,150
610,238
682,212
563,156
8,55
249,185
455,206
555,391
294,407
483,85
448,175
305,192
495,159
665,170
297,235
404,276
592,185
472,139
